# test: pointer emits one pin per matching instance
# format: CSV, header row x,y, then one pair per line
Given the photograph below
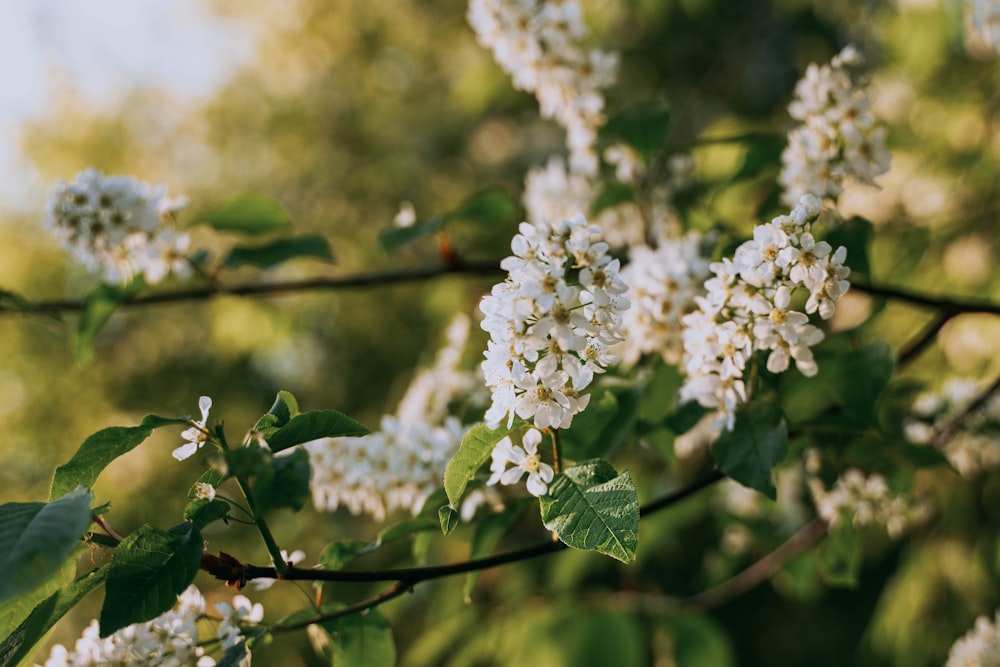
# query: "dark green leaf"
x,y
37,538
314,425
282,250
235,656
99,450
685,417
284,483
758,442
338,554
475,450
213,477
361,640
763,155
448,517
285,407
98,308
148,570
700,642
15,610
604,426
21,644
660,395
250,214
643,127
591,507
248,461
13,302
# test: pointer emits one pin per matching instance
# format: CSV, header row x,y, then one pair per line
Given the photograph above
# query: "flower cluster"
x,y
838,135
748,308
536,43
401,464
663,283
972,445
115,224
552,323
169,640
863,500
979,647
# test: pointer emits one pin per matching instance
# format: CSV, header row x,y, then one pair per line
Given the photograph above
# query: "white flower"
x,y
979,647
406,217
526,461
204,491
197,434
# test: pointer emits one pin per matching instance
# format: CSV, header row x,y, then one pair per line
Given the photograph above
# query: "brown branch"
x,y
760,571
954,306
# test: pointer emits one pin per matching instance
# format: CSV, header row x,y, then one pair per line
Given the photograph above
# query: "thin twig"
x,y
947,430
760,571
356,608
927,301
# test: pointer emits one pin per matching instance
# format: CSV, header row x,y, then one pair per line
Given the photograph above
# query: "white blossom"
x,y
536,42
838,135
979,647
526,462
747,308
983,21
115,224
197,435
552,323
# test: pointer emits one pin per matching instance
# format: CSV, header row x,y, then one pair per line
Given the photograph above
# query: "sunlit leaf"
x,y
249,213
448,518
475,450
100,449
314,425
37,538
591,507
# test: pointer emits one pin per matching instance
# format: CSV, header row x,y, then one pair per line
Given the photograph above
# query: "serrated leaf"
x,y
448,518
314,425
202,511
361,640
37,538
757,443
99,450
21,643
591,507
475,450
98,307
284,483
338,554
249,213
643,127
274,253
148,570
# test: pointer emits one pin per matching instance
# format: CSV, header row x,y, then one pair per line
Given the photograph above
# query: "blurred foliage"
x,y
350,108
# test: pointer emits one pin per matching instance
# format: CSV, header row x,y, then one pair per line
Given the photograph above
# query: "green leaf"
x,y
758,442
684,418
15,610
282,250
314,425
99,450
840,556
248,461
591,507
604,426
249,213
202,511
37,538
235,656
284,483
338,554
643,127
855,235
660,395
858,379
20,645
98,307
475,450
612,195
148,570
210,476
285,407
361,640
448,517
